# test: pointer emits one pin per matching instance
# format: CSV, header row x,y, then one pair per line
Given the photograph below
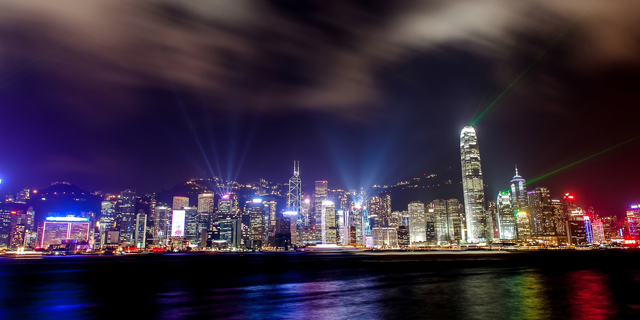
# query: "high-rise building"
x,y
439,209
559,218
305,213
193,232
417,224
385,237
57,230
320,194
230,231
518,193
506,217
270,221
609,225
141,229
598,231
163,226
541,212
328,218
295,190
126,215
479,228
256,212
180,202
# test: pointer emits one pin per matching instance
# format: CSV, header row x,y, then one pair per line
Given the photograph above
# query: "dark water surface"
x,y
531,285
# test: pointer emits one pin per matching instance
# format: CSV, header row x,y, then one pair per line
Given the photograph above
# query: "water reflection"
x,y
589,295
310,287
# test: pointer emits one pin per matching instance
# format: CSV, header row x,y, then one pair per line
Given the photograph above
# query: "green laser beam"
x,y
494,78
473,123
581,160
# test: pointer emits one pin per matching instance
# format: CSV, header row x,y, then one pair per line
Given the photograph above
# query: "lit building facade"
x,y
479,228
55,230
417,224
328,227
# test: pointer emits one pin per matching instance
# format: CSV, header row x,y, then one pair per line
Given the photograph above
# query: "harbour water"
x,y
471,285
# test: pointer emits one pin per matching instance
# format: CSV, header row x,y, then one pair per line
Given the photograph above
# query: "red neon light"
x,y
14,212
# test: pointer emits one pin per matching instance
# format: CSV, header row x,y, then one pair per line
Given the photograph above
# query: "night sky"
x,y
111,95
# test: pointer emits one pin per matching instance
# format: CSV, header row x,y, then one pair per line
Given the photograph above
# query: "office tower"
x,y
180,202
193,232
430,227
21,227
541,213
206,203
256,212
417,224
523,226
231,231
374,208
320,193
342,218
295,189
64,230
304,216
126,215
439,209
578,229
632,222
282,236
226,205
106,222
506,217
205,213
518,193
558,219
328,218
609,226
141,230
385,237
403,236
456,216
356,220
163,226
478,226
598,231
270,221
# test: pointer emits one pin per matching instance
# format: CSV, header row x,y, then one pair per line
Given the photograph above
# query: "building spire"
x,y
516,170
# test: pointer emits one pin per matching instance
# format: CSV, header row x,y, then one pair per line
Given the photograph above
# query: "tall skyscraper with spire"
x,y
518,192
479,226
295,189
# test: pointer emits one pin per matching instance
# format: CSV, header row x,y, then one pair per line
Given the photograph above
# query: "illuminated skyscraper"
x,y
505,216
295,189
126,215
518,193
141,229
417,224
320,193
270,221
328,217
205,203
540,211
479,227
180,202
256,212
